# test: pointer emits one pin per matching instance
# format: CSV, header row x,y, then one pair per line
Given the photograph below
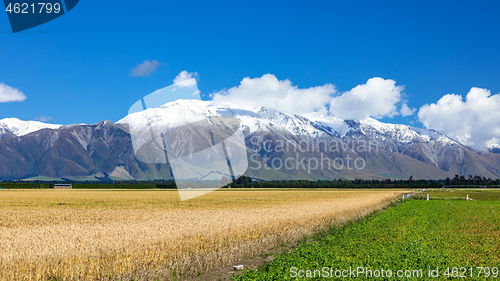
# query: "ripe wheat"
x,y
143,235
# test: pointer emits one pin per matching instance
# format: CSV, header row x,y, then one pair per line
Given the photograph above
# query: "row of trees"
x,y
476,180
247,182
339,183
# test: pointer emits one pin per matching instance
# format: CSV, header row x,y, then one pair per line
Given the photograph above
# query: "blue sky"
x,y
76,69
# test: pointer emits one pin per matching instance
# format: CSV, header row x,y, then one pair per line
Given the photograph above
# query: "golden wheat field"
x,y
152,235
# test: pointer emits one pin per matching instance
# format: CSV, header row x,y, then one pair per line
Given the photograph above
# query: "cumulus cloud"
x,y
9,94
406,110
43,118
145,68
186,79
377,98
474,122
268,91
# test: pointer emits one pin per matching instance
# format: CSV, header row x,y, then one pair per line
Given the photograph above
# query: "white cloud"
x,y
9,94
474,122
145,68
185,79
377,98
268,91
43,118
406,110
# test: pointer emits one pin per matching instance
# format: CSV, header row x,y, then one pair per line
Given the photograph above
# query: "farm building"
x,y
63,186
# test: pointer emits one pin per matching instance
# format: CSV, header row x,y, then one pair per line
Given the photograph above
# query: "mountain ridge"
x,y
104,149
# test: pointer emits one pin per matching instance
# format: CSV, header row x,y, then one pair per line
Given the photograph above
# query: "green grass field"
x,y
408,240
461,194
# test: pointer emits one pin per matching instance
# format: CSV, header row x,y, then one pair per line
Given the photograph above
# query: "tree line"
x,y
247,182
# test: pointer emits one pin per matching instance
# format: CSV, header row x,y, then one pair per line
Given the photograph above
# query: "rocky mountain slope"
x,y
279,146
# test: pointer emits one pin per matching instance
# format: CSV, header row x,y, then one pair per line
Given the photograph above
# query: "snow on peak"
x,y
181,112
20,128
493,147
404,133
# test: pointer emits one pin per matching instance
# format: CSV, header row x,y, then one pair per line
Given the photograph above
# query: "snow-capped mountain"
x,y
181,112
17,127
104,150
424,153
264,119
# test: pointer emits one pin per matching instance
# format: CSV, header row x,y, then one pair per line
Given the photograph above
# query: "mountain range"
x,y
279,146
